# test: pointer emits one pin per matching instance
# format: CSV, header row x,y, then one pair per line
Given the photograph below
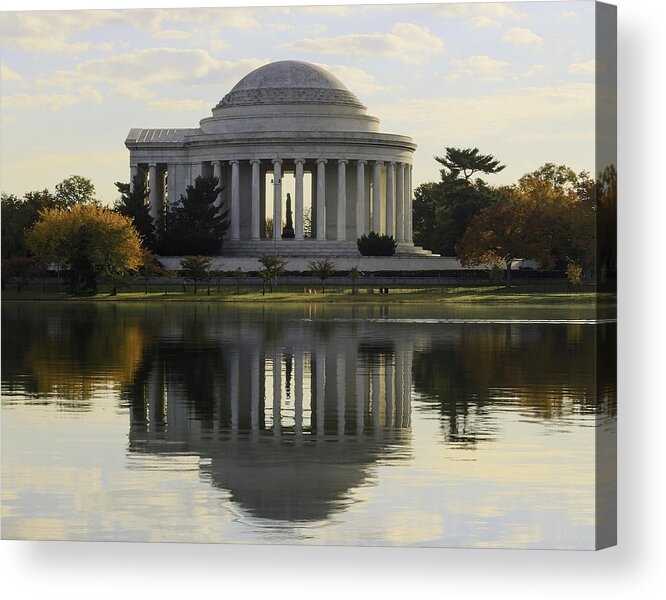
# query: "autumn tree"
x,y
195,225
322,270
133,204
150,268
547,216
89,242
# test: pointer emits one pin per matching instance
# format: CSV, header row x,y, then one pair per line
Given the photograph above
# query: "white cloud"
x,y
490,10
6,74
50,31
359,80
52,102
481,22
583,68
521,36
568,14
406,41
481,66
535,108
534,69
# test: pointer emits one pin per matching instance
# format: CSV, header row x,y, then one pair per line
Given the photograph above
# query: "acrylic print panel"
x,y
378,305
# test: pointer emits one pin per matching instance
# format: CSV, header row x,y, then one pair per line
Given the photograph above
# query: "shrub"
x,y
375,244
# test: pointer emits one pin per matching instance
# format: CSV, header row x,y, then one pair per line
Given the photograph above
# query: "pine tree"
x,y
195,225
132,203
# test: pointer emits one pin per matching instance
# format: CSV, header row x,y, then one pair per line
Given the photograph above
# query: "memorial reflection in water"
x,y
377,424
275,405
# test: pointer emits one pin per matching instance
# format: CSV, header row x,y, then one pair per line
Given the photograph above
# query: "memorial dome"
x,y
289,82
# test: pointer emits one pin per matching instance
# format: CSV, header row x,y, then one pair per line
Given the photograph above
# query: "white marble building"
x,y
288,119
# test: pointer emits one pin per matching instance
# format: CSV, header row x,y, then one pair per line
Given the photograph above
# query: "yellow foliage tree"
x,y
89,242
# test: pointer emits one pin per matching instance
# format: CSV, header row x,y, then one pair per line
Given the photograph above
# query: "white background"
x,y
634,569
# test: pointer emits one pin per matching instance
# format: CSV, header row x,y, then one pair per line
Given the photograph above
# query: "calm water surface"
x,y
378,425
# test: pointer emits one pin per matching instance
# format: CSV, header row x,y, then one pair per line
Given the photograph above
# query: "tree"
x,y
501,233
238,276
272,268
322,269
307,222
133,204
196,268
89,241
19,268
375,244
354,274
19,215
75,190
443,210
150,268
467,161
195,225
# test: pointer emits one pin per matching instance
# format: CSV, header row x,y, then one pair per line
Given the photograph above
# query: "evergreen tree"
x,y
195,225
133,204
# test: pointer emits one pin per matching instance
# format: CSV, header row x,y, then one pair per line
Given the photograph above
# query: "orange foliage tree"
x,y
89,242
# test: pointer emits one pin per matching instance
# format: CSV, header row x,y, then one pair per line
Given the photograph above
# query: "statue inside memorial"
x,y
288,229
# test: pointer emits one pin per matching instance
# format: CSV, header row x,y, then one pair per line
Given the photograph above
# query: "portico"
x,y
287,124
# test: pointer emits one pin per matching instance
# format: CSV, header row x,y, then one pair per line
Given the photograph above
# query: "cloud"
x,y
406,41
584,68
534,108
482,66
53,102
359,80
489,10
521,36
568,14
481,22
153,66
50,31
6,74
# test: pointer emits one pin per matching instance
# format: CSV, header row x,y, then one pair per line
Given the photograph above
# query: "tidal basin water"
x,y
305,424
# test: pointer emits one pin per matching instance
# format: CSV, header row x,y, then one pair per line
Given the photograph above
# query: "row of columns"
x,y
391,197
341,396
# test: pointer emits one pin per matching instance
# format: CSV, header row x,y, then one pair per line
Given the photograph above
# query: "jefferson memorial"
x,y
292,146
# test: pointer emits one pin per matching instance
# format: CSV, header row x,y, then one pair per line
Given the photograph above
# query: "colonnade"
x,y
349,198
296,391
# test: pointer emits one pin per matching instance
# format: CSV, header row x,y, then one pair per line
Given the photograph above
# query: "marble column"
x,y
217,172
134,171
255,208
390,169
407,206
277,198
235,201
400,203
298,199
408,233
321,198
155,195
342,200
377,196
360,198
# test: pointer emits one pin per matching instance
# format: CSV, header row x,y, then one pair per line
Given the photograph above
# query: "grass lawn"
x,y
527,293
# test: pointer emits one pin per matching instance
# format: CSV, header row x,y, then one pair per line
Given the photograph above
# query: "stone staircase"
x,y
310,248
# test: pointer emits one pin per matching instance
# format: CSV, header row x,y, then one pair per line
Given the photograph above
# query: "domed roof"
x,y
289,82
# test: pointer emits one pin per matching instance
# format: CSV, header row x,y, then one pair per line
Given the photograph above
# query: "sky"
x,y
515,80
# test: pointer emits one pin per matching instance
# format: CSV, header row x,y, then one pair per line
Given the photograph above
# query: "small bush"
x,y
375,244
